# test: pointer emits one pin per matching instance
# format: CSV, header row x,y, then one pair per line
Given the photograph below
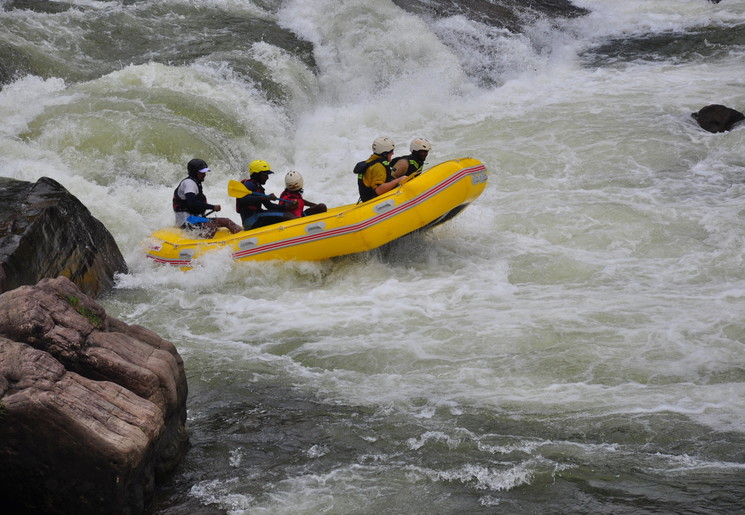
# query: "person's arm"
x,y
279,206
378,175
400,168
194,204
388,186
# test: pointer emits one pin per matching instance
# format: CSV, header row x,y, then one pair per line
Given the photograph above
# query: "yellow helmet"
x,y
259,166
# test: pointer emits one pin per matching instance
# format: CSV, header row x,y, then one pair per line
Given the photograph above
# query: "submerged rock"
x,y
717,118
45,232
92,410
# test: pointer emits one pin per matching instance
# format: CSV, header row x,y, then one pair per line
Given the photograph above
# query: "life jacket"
x,y
244,208
366,192
181,205
297,196
414,165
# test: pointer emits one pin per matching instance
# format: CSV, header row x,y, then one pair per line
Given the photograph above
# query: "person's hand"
x,y
272,196
217,207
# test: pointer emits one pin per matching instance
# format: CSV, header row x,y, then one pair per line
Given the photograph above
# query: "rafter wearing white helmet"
x,y
414,162
374,174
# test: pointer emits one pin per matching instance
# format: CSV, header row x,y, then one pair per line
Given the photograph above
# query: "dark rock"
x,y
39,6
13,64
45,232
497,14
717,118
92,410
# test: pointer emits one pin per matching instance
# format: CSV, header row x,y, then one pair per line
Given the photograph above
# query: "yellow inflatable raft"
x,y
435,196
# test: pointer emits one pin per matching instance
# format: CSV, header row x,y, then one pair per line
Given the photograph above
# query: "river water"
x,y
573,342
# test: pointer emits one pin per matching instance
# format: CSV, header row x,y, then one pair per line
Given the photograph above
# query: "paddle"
x,y
194,219
238,190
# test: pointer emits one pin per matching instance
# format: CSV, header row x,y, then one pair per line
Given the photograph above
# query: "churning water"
x,y
573,342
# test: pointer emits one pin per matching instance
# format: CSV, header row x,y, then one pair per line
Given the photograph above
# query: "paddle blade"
x,y
237,189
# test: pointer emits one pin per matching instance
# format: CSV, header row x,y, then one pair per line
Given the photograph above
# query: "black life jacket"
x,y
181,205
366,192
414,165
242,205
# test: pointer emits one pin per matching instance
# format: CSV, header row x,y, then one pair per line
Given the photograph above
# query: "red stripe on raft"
x,y
362,225
164,261
341,230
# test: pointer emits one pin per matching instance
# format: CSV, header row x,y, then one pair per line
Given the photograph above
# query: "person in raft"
x,y
294,192
257,209
374,174
190,204
414,162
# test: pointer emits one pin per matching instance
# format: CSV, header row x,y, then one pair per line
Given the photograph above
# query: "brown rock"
x,y
92,410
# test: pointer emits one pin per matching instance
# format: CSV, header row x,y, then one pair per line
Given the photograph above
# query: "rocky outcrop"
x,y
717,118
92,410
46,232
510,15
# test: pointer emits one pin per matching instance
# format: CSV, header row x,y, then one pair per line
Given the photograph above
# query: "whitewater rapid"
x,y
572,342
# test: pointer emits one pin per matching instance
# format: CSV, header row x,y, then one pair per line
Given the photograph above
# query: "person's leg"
x,y
199,229
268,218
249,221
228,224
314,210
209,229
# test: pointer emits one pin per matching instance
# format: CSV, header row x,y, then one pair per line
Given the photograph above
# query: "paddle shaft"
x,y
239,190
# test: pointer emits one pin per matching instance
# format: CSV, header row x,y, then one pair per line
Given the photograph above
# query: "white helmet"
x,y
420,144
293,181
383,145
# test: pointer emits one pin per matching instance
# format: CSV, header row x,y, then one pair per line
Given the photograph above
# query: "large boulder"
x,y
717,118
45,232
92,410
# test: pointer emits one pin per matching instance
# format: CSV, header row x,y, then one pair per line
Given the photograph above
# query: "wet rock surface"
x,y
92,410
46,232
